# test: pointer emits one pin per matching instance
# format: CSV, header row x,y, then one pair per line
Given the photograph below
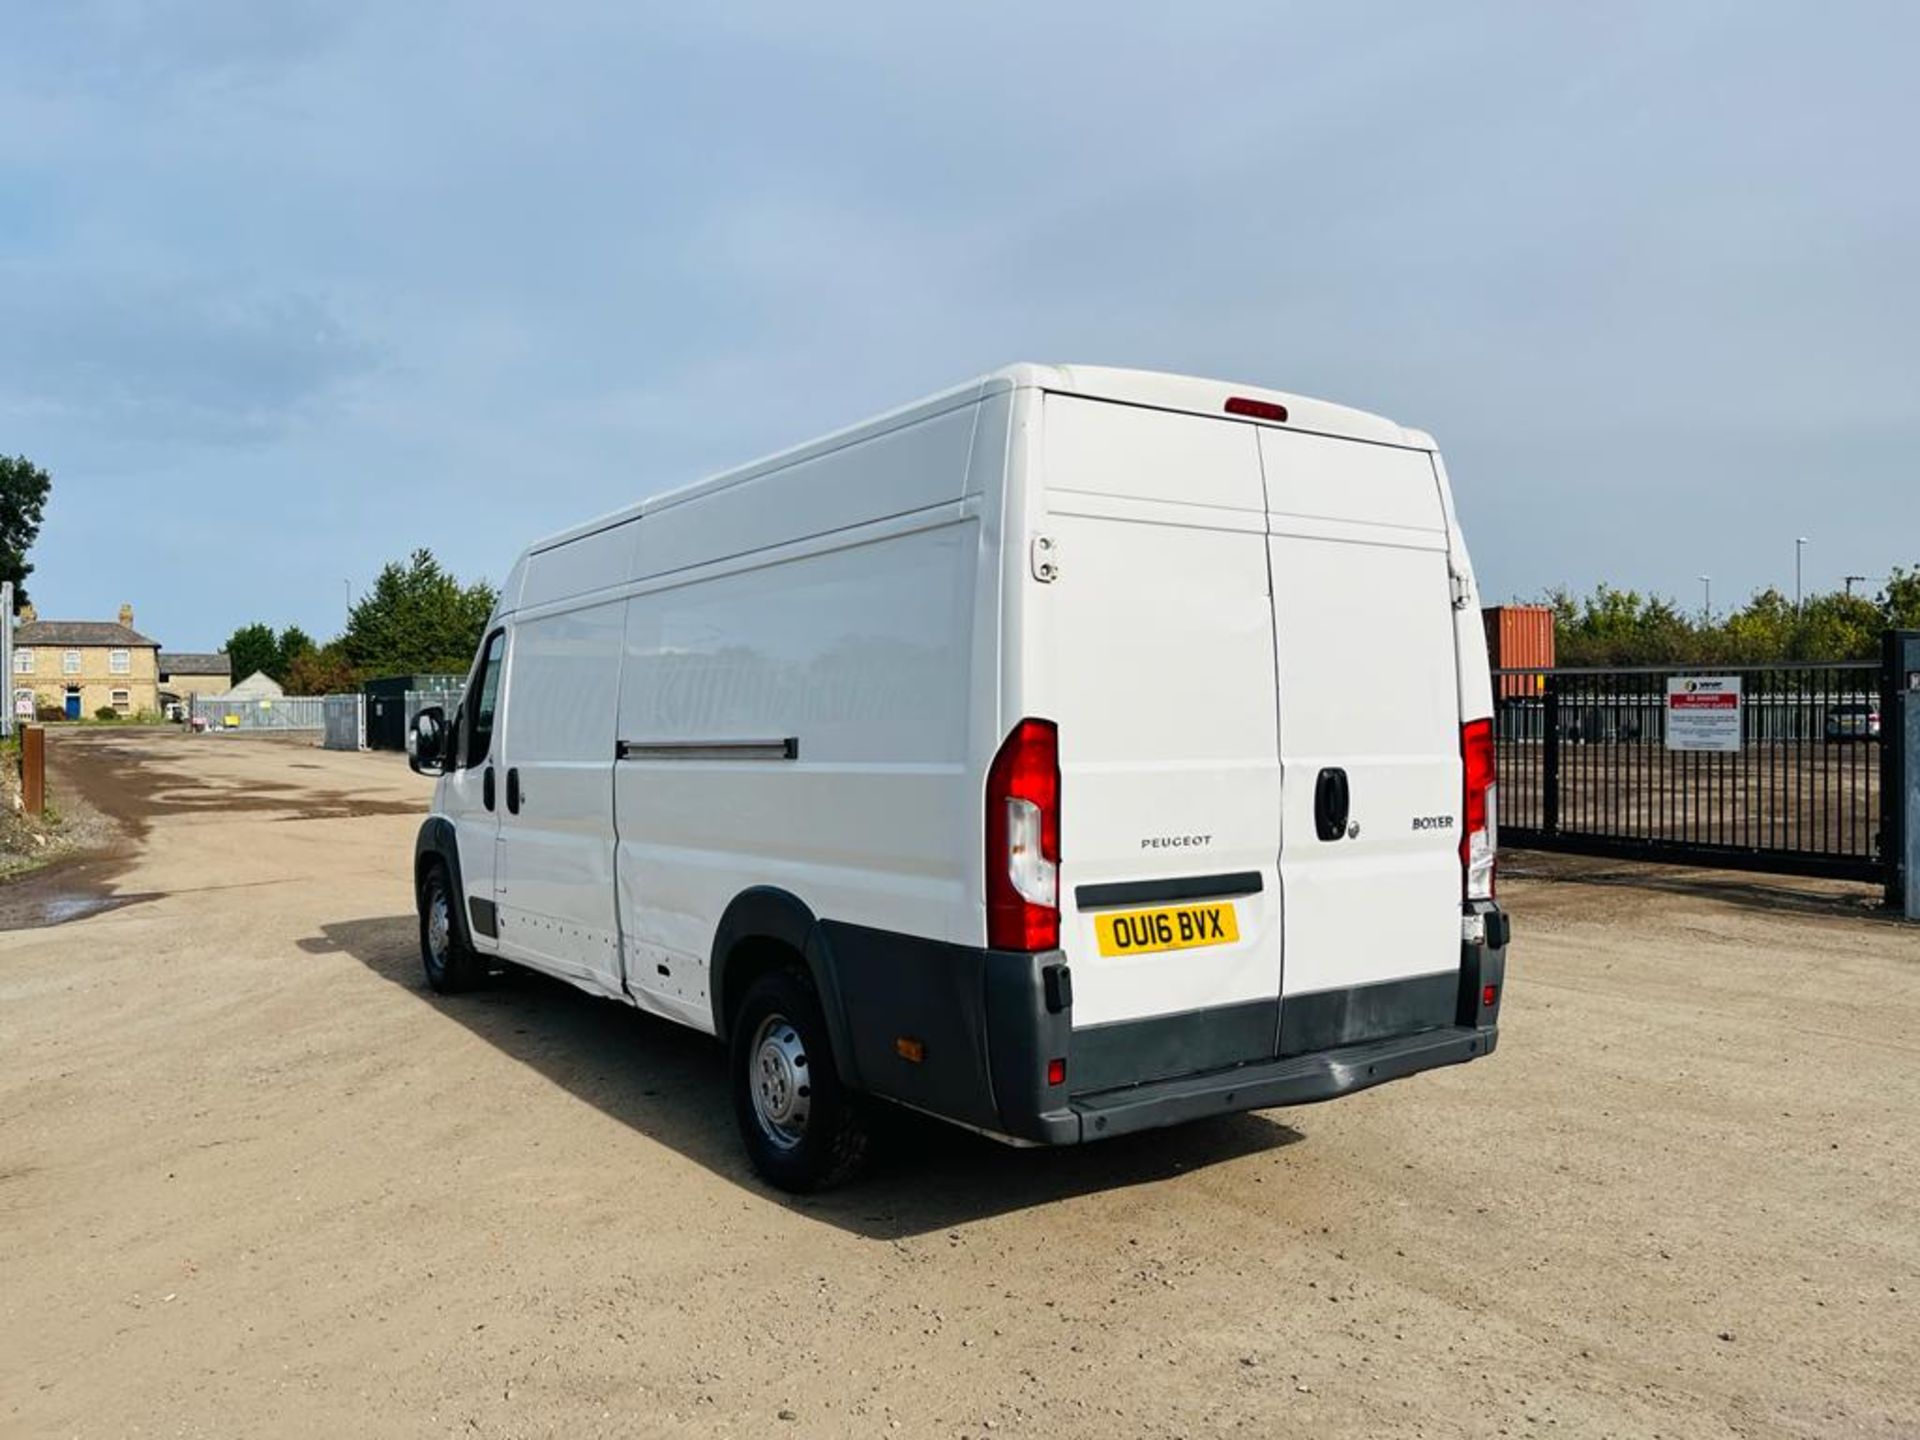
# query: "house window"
x,y
121,662
23,662
70,663
123,702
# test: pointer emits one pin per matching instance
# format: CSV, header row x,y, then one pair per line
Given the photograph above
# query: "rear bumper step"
x,y
1301,1080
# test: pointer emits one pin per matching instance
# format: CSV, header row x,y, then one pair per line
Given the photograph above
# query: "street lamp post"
x,y
1706,606
1799,594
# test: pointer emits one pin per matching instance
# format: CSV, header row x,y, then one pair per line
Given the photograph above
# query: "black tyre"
x,y
451,967
802,1128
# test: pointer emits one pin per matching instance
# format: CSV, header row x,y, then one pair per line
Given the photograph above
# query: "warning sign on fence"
x,y
1703,713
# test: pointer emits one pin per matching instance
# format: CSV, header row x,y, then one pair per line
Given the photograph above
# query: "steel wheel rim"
x,y
439,929
780,1082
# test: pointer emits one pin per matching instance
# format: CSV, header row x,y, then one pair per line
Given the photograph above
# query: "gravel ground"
x,y
73,827
255,1180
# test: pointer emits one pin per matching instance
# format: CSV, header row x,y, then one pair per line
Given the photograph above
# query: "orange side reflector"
x,y
910,1050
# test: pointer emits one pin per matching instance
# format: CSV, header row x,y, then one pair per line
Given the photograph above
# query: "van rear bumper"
x,y
983,1029
1299,1080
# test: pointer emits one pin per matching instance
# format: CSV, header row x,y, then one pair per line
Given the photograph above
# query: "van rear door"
x,y
1369,738
1157,650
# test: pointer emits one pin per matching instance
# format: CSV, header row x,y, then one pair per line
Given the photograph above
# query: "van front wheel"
x,y
450,966
801,1127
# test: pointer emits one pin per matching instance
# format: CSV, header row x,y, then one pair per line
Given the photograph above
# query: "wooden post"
x,y
33,769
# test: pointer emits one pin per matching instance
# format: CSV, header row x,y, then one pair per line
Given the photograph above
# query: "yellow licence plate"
x,y
1178,927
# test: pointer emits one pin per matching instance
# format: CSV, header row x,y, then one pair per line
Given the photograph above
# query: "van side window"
x,y
484,703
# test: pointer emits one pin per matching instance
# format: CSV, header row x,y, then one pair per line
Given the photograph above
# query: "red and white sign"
x,y
1703,713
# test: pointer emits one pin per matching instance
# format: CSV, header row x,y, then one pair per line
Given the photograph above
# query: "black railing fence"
x,y
1596,762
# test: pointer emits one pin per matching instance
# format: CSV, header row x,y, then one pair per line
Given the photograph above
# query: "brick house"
x,y
81,667
184,675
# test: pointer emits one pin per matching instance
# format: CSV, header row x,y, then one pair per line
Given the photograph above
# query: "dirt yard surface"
x,y
256,1181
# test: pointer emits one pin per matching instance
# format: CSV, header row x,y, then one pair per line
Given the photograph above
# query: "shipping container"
x,y
1519,637
387,705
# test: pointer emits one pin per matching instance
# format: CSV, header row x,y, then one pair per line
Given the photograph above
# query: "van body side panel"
x,y
859,656
580,568
1470,635
1368,687
555,883
1158,640
896,473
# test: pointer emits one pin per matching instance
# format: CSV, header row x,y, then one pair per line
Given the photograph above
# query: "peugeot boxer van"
x,y
1074,752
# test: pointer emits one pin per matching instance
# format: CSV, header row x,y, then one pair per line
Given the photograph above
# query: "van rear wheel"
x,y
451,967
803,1130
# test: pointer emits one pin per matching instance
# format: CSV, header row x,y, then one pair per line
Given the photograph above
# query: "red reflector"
x,y
1056,1072
1489,995
1256,409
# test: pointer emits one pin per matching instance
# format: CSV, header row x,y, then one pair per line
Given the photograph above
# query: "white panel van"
x,y
1074,752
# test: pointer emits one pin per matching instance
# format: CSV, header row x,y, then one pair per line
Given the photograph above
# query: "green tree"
x,y
1900,601
417,618
292,644
324,671
1620,627
1837,626
1759,631
253,648
23,500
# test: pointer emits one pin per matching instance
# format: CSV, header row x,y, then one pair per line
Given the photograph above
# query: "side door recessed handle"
x,y
486,788
514,797
1332,804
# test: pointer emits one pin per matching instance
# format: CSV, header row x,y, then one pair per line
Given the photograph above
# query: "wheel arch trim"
x,y
768,913
438,841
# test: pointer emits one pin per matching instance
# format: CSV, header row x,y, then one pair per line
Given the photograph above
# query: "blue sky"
x,y
287,290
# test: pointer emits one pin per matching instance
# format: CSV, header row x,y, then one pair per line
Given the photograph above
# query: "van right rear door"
x,y
1369,737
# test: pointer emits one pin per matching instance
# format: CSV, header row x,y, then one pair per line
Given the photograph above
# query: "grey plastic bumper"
x,y
1302,1080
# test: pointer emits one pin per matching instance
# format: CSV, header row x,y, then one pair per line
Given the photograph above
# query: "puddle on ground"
x,y
41,912
65,892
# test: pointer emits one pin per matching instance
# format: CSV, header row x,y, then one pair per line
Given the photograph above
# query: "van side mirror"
x,y
427,742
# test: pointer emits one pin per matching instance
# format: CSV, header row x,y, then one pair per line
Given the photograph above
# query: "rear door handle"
x,y
1332,804
513,792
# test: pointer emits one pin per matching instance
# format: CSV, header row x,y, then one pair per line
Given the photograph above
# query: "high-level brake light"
x,y
1023,840
1256,409
1480,844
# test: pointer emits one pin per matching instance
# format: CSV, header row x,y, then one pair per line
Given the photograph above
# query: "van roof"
x,y
1162,391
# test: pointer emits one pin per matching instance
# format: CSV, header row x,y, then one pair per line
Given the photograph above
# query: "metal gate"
x,y
278,714
1601,762
346,721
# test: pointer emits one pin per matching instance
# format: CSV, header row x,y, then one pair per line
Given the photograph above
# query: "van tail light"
x,y
1023,840
1480,844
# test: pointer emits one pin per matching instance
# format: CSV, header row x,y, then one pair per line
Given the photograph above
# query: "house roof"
x,y
182,662
82,632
